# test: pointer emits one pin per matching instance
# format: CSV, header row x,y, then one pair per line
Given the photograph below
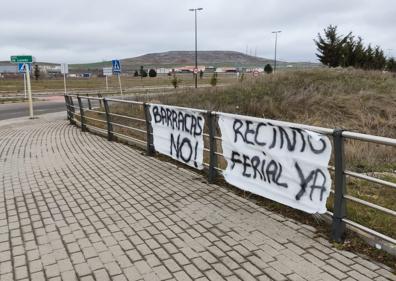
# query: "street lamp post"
x,y
196,45
276,42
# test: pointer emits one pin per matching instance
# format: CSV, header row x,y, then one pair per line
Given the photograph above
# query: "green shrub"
x,y
213,80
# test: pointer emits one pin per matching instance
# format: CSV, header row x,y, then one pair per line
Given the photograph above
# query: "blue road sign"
x,y
22,67
116,66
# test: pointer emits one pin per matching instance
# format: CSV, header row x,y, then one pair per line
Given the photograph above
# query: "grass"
x,y
11,100
13,86
355,100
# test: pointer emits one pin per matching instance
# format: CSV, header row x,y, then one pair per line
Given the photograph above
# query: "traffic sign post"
x,y
119,82
21,69
24,85
29,87
64,71
116,67
24,62
107,71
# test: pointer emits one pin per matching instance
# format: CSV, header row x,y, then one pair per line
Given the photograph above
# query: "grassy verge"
x,y
11,100
99,83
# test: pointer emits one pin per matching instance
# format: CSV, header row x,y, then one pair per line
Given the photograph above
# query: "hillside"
x,y
224,58
172,59
182,58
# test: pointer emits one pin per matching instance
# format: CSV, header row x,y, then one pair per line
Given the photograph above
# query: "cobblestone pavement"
x,y
74,206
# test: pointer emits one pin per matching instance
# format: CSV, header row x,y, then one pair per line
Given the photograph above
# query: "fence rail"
x,y
339,214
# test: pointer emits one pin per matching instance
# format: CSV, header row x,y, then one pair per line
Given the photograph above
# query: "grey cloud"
x,y
84,31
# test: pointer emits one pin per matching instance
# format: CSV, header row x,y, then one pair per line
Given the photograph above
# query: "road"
x,y
55,103
15,110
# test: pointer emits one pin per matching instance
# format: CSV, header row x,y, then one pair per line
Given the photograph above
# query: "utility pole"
x,y
196,45
276,42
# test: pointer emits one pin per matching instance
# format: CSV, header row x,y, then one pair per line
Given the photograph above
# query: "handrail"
x,y
321,130
88,98
369,138
371,205
338,170
368,178
127,117
125,101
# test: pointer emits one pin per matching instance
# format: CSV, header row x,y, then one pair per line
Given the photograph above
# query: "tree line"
x,y
335,50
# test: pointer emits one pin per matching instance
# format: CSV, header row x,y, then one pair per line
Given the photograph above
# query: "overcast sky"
x,y
94,30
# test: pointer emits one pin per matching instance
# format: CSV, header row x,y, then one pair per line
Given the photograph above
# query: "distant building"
x,y
189,69
259,69
163,70
226,70
210,69
13,69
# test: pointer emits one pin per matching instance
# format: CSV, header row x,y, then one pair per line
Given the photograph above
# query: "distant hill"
x,y
182,58
223,58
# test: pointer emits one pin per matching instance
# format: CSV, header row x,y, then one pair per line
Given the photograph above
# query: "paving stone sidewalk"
x,y
74,206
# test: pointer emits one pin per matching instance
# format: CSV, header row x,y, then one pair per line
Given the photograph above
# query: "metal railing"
x,y
213,153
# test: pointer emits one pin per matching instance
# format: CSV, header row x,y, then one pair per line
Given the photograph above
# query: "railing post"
x,y
339,212
212,146
108,120
72,109
89,103
67,107
100,101
149,130
80,105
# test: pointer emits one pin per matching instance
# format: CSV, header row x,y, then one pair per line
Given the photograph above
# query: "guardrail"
x,y
111,128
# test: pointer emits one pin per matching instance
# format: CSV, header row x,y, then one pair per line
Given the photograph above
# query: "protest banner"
x,y
178,133
285,164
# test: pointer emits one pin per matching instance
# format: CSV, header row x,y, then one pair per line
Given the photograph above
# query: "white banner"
x,y
178,133
284,164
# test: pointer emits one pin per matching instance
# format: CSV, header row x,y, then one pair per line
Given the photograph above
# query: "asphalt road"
x,y
15,110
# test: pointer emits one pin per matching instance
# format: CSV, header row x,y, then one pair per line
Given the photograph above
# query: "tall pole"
x,y
276,43
64,70
29,88
196,45
24,83
196,51
119,82
64,82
